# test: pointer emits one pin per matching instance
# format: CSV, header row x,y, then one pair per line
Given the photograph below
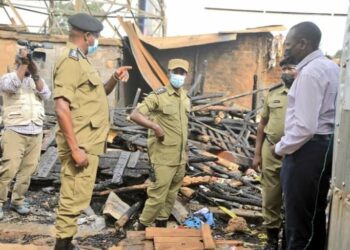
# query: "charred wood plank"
x,y
119,168
134,158
49,139
47,161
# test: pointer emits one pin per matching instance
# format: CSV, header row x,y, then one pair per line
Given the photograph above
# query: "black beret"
x,y
85,22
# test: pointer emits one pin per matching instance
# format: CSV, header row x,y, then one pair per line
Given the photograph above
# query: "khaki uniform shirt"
x,y
274,110
77,81
169,109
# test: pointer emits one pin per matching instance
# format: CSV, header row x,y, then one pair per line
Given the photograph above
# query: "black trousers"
x,y
305,177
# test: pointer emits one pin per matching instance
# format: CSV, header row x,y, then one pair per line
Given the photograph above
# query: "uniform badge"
x,y
160,91
73,53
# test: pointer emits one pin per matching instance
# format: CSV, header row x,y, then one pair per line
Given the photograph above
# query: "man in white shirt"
x,y
23,114
308,138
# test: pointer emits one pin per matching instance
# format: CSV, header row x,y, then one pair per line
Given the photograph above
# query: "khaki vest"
x,y
23,107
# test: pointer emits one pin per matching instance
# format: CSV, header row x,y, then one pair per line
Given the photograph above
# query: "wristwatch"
x,y
35,77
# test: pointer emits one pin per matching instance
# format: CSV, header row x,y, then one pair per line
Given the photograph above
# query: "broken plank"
x,y
119,168
179,245
134,158
148,245
179,211
115,207
208,240
47,161
48,139
152,232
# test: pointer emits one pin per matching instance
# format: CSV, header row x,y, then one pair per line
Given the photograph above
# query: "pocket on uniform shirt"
x,y
168,141
97,122
169,110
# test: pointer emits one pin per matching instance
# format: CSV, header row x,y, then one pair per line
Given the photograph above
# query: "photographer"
x,y
23,93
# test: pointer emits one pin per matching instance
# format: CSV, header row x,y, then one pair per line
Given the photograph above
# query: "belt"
x,y
269,140
317,137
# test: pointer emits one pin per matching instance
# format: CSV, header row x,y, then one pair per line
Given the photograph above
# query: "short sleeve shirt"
x,y
274,110
77,81
169,109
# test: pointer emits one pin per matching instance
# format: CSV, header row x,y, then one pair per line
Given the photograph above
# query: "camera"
x,y
31,46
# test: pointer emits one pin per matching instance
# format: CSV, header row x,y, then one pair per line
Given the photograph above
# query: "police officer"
x,y
23,93
270,131
82,113
167,109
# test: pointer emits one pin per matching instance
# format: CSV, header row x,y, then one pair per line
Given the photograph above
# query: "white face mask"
x,y
177,80
92,49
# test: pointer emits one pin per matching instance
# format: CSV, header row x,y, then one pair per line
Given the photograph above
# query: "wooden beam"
x,y
207,237
145,70
152,232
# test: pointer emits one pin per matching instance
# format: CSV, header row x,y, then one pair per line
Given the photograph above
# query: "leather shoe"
x,y
161,223
65,244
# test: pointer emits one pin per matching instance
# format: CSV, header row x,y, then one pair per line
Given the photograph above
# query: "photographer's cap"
x,y
178,63
85,22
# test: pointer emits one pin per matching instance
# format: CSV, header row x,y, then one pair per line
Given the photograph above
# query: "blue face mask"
x,y
92,49
177,80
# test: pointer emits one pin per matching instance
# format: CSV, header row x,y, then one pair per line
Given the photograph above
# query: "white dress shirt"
x,y
311,102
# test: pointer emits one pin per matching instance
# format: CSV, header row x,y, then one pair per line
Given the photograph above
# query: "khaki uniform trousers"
x,y
162,193
271,188
20,159
75,194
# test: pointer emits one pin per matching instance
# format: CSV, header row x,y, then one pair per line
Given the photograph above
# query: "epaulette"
x,y
73,53
276,86
159,91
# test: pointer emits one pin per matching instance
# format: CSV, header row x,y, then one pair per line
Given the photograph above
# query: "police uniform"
x,y
274,110
77,81
169,109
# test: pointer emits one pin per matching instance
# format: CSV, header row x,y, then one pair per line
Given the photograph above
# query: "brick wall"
x,y
231,65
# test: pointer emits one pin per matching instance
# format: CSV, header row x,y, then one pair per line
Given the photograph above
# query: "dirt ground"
x,y
36,231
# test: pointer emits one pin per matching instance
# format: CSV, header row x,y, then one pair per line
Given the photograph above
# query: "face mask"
x,y
177,80
287,79
92,49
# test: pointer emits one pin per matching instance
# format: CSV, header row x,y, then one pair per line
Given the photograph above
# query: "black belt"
x,y
317,137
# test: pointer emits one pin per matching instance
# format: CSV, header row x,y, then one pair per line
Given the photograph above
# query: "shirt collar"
x,y
284,89
172,91
310,57
73,46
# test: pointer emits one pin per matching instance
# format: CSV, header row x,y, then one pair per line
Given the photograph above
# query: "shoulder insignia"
x,y
73,53
276,86
159,91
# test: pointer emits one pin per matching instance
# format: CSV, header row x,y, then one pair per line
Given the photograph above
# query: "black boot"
x,y
161,223
65,244
140,226
272,239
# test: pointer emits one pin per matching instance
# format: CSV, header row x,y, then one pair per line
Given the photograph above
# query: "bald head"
x,y
308,31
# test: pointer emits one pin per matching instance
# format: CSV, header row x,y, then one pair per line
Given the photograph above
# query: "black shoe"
x,y
140,226
161,223
65,244
272,239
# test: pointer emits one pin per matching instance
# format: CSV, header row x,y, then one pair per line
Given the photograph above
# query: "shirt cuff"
x,y
63,93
